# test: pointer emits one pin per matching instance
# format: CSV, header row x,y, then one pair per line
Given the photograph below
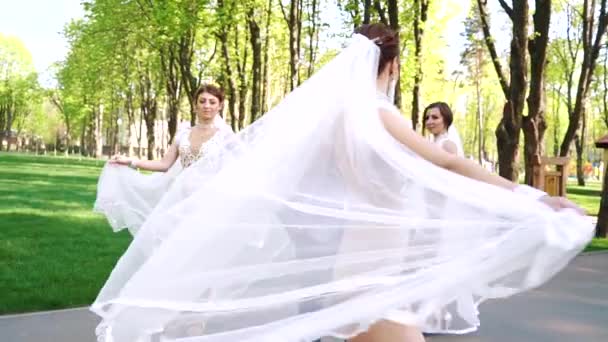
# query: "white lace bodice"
x,y
207,150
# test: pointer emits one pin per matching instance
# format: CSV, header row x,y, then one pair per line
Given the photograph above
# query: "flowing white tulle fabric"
x,y
319,223
127,197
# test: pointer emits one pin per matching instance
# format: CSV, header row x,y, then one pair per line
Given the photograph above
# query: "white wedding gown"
x,y
315,225
127,197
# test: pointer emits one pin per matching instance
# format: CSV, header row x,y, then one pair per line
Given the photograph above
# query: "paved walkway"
x,y
573,307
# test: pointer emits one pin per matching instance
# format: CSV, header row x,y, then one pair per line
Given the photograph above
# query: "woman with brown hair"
x,y
438,120
127,197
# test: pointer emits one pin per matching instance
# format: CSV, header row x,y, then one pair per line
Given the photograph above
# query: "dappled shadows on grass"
x,y
584,191
54,251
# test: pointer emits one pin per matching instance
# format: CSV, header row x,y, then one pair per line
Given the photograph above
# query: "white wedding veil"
x,y
320,223
454,136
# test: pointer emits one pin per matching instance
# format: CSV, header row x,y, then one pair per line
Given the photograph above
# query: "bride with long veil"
x,y
310,227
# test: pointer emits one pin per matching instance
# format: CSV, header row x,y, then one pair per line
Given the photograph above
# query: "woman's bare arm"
x,y
398,128
150,165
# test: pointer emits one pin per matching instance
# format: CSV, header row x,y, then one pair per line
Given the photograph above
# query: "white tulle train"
x,y
319,223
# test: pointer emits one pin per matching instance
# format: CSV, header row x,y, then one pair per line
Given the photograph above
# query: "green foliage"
x,y
20,94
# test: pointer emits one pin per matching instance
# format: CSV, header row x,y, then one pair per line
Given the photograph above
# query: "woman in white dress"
x,y
127,197
306,229
438,120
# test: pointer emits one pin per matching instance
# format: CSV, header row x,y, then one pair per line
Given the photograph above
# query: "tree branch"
x,y
283,11
380,11
507,8
483,14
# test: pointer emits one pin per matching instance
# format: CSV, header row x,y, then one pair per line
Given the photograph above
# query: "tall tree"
x,y
534,124
421,8
265,66
294,25
593,31
256,67
474,58
18,85
515,87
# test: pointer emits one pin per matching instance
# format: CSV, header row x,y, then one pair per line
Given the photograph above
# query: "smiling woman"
x,y
127,198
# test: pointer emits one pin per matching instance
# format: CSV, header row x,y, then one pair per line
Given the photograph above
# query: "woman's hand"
x,y
559,203
120,160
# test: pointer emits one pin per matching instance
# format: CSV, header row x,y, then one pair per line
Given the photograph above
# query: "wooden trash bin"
x,y
551,175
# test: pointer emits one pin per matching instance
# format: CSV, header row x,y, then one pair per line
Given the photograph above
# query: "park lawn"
x,y
588,196
597,245
56,253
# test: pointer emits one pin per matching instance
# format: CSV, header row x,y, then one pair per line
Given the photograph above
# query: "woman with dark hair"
x,y
127,197
438,120
309,228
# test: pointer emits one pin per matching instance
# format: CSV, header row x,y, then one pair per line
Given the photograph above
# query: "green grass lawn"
x,y
597,245
587,196
56,253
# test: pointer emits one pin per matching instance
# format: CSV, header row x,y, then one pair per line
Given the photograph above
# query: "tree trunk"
x,y
479,120
148,111
557,96
265,70
534,124
98,131
591,48
140,135
83,133
420,17
507,140
256,67
171,70
393,16
190,81
8,125
367,5
313,36
150,120
579,161
232,93
243,82
601,228
294,26
515,88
